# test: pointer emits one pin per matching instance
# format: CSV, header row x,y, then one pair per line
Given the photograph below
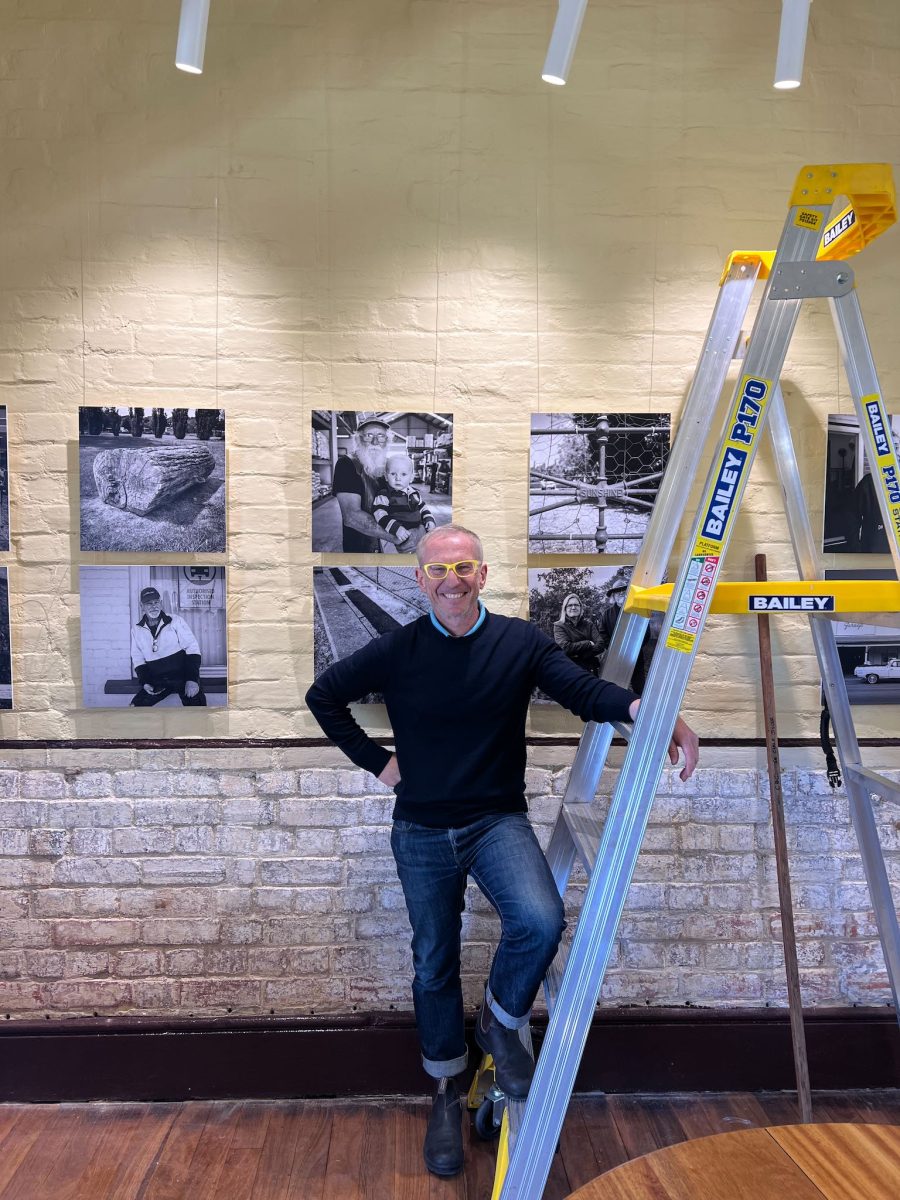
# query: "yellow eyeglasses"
x,y
464,569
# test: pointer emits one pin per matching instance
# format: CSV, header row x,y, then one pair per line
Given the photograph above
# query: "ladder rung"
x,y
585,830
623,730
886,788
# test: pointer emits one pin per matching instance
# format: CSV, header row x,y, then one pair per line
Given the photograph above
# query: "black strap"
x,y
834,774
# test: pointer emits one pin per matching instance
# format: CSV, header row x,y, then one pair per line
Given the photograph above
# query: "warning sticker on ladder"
x,y
693,601
717,513
886,457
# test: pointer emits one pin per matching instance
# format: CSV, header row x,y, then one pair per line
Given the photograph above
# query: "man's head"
x,y
398,470
369,445
151,603
617,591
453,595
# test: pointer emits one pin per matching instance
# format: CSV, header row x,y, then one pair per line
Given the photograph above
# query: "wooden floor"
x,y
340,1150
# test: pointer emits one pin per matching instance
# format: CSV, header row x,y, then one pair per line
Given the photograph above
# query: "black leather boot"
x,y
513,1065
443,1148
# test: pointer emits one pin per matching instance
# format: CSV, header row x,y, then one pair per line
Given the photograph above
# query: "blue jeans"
x,y
502,855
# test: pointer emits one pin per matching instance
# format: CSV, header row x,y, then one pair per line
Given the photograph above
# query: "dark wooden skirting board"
x,y
317,742
628,1050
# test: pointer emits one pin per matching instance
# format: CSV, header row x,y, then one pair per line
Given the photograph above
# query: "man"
x,y
165,656
355,484
457,684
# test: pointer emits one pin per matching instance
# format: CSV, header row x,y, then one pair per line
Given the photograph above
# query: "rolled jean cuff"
x,y
509,1022
445,1068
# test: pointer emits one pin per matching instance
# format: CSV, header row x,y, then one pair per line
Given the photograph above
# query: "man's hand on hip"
x,y
391,773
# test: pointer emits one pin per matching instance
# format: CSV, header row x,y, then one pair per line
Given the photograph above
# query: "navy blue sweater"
x,y
457,707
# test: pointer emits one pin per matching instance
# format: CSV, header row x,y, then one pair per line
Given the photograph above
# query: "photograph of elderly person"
x,y
579,608
594,480
350,452
578,636
153,636
853,519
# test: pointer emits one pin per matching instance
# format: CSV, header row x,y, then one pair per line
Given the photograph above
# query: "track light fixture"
x,y
192,36
791,43
563,41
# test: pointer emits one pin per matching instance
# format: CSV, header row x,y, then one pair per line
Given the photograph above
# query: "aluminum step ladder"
x,y
808,263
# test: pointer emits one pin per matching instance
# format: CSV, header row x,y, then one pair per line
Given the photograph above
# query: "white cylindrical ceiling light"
x,y
791,43
192,36
563,41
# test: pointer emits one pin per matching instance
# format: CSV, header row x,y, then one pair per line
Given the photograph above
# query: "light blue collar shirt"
x,y
482,613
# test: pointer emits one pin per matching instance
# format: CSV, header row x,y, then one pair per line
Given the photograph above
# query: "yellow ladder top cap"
x,y
868,186
749,258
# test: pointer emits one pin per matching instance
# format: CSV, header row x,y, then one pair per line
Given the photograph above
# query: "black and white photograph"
x,y
869,654
853,521
6,691
578,607
380,481
353,605
153,637
152,479
594,480
4,482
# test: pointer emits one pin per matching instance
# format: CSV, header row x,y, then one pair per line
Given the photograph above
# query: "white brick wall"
x,y
186,882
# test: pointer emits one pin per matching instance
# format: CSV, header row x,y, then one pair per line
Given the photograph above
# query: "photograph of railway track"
x,y
579,607
594,480
353,605
380,480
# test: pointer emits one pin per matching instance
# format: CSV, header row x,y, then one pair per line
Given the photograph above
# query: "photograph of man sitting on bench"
x,y
153,636
165,655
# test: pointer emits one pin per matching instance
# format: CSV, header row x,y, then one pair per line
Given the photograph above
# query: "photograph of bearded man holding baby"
x,y
380,481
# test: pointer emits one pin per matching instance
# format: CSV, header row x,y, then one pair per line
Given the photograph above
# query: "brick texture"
x,y
277,903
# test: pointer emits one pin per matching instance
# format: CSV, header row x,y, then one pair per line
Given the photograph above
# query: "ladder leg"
x,y
861,813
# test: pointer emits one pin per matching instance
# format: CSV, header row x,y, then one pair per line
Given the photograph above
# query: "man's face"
x,y
452,599
369,448
151,608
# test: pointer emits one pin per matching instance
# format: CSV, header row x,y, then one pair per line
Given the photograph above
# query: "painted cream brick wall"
x,y
380,205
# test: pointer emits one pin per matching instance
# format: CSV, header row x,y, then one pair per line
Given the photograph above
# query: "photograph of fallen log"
x,y
152,479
